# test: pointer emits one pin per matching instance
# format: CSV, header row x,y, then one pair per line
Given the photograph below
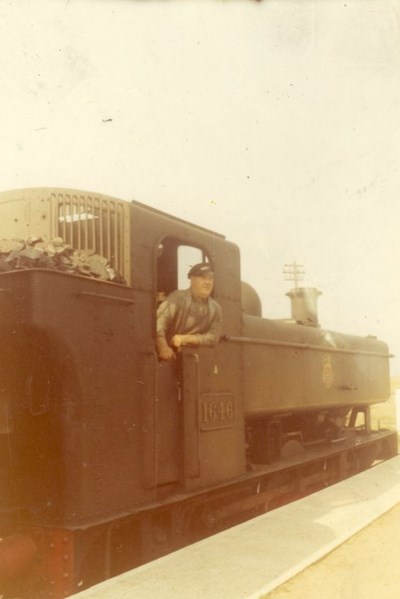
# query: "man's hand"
x,y
165,352
179,340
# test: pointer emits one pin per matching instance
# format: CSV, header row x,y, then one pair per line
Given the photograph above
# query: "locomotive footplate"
x,y
266,487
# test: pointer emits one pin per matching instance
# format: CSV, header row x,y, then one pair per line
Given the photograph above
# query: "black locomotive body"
x,y
109,456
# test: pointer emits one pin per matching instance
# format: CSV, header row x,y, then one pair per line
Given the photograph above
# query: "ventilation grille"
x,y
94,223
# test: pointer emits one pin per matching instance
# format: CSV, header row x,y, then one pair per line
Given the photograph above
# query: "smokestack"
x,y
304,305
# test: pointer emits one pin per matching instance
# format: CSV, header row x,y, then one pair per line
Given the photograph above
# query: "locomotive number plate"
x,y
217,410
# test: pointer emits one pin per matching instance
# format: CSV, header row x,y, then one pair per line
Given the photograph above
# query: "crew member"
x,y
190,316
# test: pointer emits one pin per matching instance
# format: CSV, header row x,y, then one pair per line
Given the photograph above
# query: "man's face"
x,y
202,286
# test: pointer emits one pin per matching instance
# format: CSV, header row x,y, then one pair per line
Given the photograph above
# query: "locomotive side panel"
x,y
83,333
345,371
274,378
214,441
31,458
291,367
11,342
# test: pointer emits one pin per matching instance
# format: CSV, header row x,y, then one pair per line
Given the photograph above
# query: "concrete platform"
x,y
251,560
366,566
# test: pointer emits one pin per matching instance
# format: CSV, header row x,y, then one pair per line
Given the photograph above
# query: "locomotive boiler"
x,y
111,458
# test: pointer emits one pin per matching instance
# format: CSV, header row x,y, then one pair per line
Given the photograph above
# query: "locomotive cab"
x,y
198,409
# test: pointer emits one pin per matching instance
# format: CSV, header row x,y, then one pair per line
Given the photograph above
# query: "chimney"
x,y
304,305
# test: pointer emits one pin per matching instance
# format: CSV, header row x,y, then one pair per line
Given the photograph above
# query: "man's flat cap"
x,y
203,268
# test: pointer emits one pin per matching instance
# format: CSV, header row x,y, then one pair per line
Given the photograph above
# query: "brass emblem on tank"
x,y
327,371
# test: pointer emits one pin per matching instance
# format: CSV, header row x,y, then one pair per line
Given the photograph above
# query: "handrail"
x,y
149,421
321,348
191,415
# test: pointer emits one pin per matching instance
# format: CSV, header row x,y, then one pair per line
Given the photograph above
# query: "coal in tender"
x,y
55,254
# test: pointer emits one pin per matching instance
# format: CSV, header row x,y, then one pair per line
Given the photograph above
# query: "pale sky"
x,y
275,123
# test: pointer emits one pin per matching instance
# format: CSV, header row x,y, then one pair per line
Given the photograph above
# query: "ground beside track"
x,y
367,566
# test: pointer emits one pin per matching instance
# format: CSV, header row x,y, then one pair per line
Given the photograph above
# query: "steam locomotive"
x,y
109,457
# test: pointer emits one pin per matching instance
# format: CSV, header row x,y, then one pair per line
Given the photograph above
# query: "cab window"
x,y
174,260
